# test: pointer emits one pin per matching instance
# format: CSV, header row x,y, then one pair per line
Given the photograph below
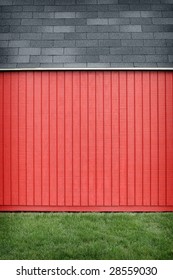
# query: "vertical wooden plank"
x,y
14,138
1,138
45,137
115,139
169,137
131,138
154,140
76,139
61,140
123,140
99,138
161,139
37,93
68,138
138,138
7,141
92,147
22,138
57,142
52,146
30,143
146,139
84,137
107,140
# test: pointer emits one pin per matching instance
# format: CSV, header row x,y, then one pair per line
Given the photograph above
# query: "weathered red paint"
x,y
86,141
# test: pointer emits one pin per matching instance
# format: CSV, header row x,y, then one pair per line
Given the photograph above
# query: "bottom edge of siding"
x,y
86,208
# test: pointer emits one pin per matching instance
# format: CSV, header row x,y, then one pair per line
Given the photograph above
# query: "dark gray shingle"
x,y
86,33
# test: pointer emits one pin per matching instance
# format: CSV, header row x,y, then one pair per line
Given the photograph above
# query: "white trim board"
x,y
86,69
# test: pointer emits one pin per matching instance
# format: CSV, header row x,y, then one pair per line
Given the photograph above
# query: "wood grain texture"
x,y
86,141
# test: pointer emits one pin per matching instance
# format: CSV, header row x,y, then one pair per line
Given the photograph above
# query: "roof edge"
x,y
87,69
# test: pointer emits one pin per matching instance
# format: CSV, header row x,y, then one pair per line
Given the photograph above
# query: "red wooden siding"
x,y
86,141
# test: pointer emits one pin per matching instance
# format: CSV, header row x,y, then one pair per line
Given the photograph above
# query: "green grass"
x,y
86,236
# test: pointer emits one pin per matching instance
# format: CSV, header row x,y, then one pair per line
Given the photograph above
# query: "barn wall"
x,y
86,141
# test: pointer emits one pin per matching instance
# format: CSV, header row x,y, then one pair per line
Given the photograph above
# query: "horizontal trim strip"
x,y
85,69
86,208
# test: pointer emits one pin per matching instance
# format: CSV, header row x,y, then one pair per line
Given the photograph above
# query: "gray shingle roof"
x,y
86,33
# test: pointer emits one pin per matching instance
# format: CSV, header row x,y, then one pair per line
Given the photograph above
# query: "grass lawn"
x,y
86,236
